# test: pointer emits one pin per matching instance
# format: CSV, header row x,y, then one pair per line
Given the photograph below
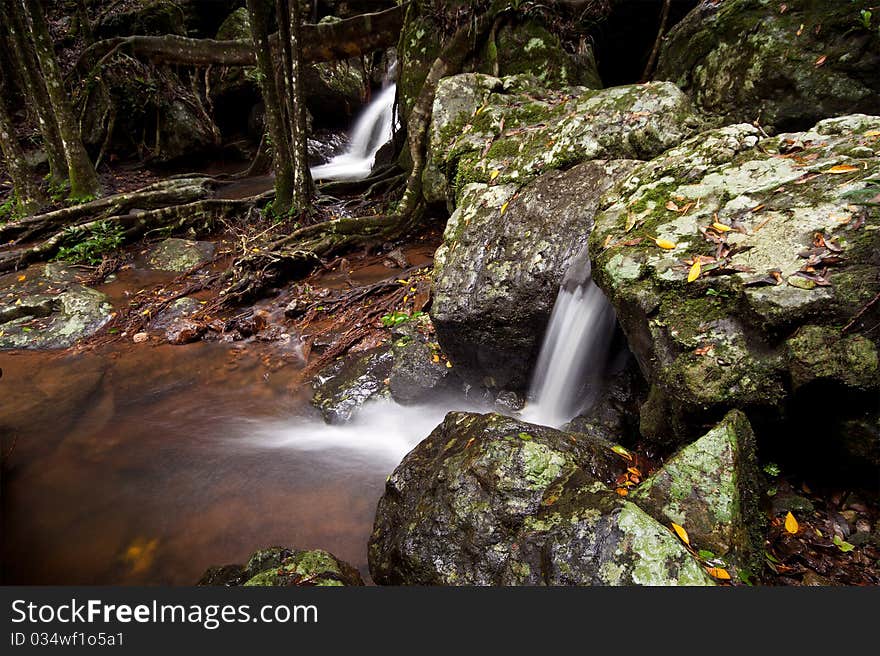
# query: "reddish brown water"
x,y
138,465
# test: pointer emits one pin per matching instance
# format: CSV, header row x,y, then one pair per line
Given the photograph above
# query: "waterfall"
x,y
574,351
372,130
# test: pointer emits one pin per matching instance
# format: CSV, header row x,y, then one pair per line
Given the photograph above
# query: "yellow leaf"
x,y
719,573
664,243
494,174
436,358
791,524
504,207
630,222
680,532
622,491
695,271
872,133
842,168
22,278
720,227
448,364
402,281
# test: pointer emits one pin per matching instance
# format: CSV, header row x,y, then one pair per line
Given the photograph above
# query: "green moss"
x,y
541,464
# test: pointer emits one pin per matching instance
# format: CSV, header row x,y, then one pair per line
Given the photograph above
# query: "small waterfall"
x,y
575,349
372,130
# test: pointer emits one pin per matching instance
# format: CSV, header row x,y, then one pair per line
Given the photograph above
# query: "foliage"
x,y
8,209
88,245
396,318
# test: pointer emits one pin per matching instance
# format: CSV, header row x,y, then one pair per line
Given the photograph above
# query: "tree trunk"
x,y
28,197
27,72
271,99
303,188
83,179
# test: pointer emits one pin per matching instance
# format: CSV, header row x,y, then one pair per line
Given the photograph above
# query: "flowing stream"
x,y
574,351
373,129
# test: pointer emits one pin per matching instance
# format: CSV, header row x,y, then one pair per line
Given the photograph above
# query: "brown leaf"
x,y
819,61
842,168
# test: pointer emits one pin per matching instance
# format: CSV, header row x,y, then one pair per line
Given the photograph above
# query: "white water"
x,y
381,433
574,352
373,129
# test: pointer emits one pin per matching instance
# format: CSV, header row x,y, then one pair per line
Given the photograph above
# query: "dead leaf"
x,y
494,174
504,207
791,524
664,243
695,271
819,61
720,227
22,278
718,573
680,532
842,168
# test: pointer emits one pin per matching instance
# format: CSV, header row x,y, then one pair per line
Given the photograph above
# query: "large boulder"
x,y
779,239
785,65
509,131
497,273
712,489
46,308
279,566
485,497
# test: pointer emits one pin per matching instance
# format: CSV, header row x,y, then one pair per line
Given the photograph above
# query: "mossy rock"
x,y
453,507
497,274
527,47
784,65
585,536
153,17
280,566
747,332
49,309
490,500
180,255
511,130
712,489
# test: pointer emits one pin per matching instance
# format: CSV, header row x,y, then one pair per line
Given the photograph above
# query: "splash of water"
x,y
373,129
574,351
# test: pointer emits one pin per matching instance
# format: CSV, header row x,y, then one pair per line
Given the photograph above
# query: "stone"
x,y
49,310
496,277
418,372
746,60
341,389
491,500
712,488
183,331
509,131
733,340
180,255
177,309
280,566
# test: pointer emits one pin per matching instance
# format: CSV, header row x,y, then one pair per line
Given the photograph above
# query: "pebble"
x,y
140,337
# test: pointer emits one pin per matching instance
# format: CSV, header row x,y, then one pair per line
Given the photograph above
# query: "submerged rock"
x,y
712,489
48,310
180,255
744,60
279,566
496,276
343,387
781,300
488,500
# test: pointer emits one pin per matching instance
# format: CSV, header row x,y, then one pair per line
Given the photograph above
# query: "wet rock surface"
x,y
45,308
279,566
496,276
180,255
781,299
418,372
488,500
342,388
743,60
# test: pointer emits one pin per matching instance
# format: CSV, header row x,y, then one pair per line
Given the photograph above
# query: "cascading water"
x,y
372,130
575,349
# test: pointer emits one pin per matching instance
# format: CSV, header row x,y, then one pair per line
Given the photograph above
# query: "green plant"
x,y
396,318
8,209
88,245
